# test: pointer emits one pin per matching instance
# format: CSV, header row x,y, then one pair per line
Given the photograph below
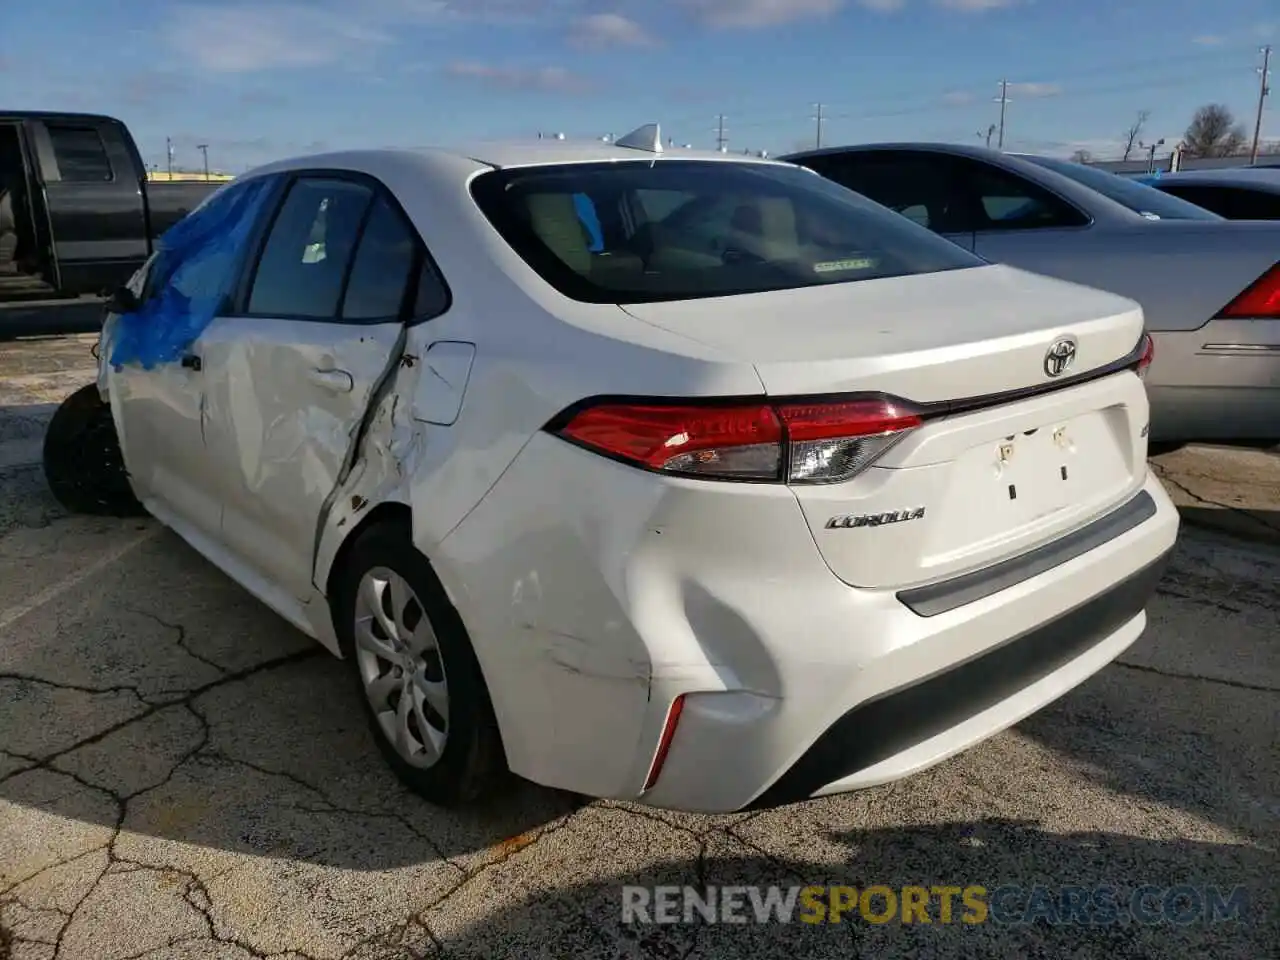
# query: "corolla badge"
x,y
1059,357
851,521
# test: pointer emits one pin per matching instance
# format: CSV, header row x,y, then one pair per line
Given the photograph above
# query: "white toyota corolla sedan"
x,y
690,479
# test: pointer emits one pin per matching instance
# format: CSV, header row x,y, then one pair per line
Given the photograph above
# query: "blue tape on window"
x,y
587,214
191,277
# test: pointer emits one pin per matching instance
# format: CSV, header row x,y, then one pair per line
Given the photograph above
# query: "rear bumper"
x,y
1218,383
908,691
895,723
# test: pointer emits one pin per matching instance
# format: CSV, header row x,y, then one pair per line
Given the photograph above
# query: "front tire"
x,y
83,464
416,675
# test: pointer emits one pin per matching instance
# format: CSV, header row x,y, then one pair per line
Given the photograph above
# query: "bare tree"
x,y
1213,132
1081,156
1135,130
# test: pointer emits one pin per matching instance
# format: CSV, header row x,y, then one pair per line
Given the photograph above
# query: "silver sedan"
x,y
1210,287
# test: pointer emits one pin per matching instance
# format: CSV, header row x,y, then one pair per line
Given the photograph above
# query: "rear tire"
x,y
454,755
83,464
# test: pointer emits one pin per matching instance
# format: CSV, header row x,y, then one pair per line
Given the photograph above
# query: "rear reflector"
x,y
818,442
1259,301
664,741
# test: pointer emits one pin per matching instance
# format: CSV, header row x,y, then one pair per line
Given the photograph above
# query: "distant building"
x,y
1171,162
188,175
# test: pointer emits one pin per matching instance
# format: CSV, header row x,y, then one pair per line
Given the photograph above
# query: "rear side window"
x,y
1007,202
1138,197
80,154
382,268
643,231
305,258
1234,203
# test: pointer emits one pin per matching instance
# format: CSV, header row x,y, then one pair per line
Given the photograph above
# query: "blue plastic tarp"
x,y
192,274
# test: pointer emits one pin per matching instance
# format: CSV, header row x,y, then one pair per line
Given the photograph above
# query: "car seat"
x,y
8,235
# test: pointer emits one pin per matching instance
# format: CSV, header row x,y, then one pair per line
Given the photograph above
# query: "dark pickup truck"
x,y
77,213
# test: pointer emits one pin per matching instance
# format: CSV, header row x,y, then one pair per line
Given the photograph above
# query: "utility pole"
x,y
988,135
722,139
204,149
1002,100
1263,89
1151,153
168,149
820,119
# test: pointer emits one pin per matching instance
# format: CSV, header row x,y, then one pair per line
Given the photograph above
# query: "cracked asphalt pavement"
x,y
182,775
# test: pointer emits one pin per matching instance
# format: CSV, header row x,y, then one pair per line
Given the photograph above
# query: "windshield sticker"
x,y
835,266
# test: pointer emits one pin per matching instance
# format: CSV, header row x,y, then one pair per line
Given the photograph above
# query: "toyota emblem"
x,y
1060,356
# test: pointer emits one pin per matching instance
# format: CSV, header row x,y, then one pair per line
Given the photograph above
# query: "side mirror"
x,y
123,300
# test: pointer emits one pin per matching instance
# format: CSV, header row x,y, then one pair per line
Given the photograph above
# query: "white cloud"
x,y
758,13
547,79
958,98
608,30
976,6
1034,91
1208,40
242,36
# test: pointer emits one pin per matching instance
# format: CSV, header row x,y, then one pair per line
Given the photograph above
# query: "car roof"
x,y
1238,176
643,145
516,153
964,149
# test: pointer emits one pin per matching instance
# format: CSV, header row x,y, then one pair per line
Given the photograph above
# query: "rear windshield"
x,y
645,231
1138,197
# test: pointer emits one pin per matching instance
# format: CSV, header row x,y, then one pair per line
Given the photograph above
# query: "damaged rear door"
x,y
291,374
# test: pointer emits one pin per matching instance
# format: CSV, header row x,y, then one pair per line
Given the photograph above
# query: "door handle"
x,y
340,381
191,361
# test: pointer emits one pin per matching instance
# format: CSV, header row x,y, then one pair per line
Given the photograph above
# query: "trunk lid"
x,y
934,337
986,475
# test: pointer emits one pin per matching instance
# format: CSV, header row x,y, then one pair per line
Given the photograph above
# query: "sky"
x,y
260,80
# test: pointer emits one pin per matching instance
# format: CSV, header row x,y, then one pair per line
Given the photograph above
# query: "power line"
x,y
1263,89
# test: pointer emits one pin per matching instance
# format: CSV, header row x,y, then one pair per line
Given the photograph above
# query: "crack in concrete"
x,y
181,640
1235,684
1163,473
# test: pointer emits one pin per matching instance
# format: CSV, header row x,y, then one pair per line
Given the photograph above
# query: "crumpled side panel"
x,y
193,272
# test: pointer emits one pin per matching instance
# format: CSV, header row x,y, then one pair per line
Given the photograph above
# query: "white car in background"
x,y
682,478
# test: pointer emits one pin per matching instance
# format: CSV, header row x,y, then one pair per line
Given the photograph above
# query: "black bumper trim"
x,y
936,598
896,721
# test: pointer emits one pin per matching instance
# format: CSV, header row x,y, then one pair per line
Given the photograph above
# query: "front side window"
x,y
920,186
643,231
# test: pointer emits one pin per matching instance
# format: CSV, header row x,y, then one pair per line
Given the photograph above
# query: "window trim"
x,y
423,261
50,127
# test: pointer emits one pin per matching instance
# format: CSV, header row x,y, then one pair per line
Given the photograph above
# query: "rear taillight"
x,y
1259,301
1147,353
785,441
